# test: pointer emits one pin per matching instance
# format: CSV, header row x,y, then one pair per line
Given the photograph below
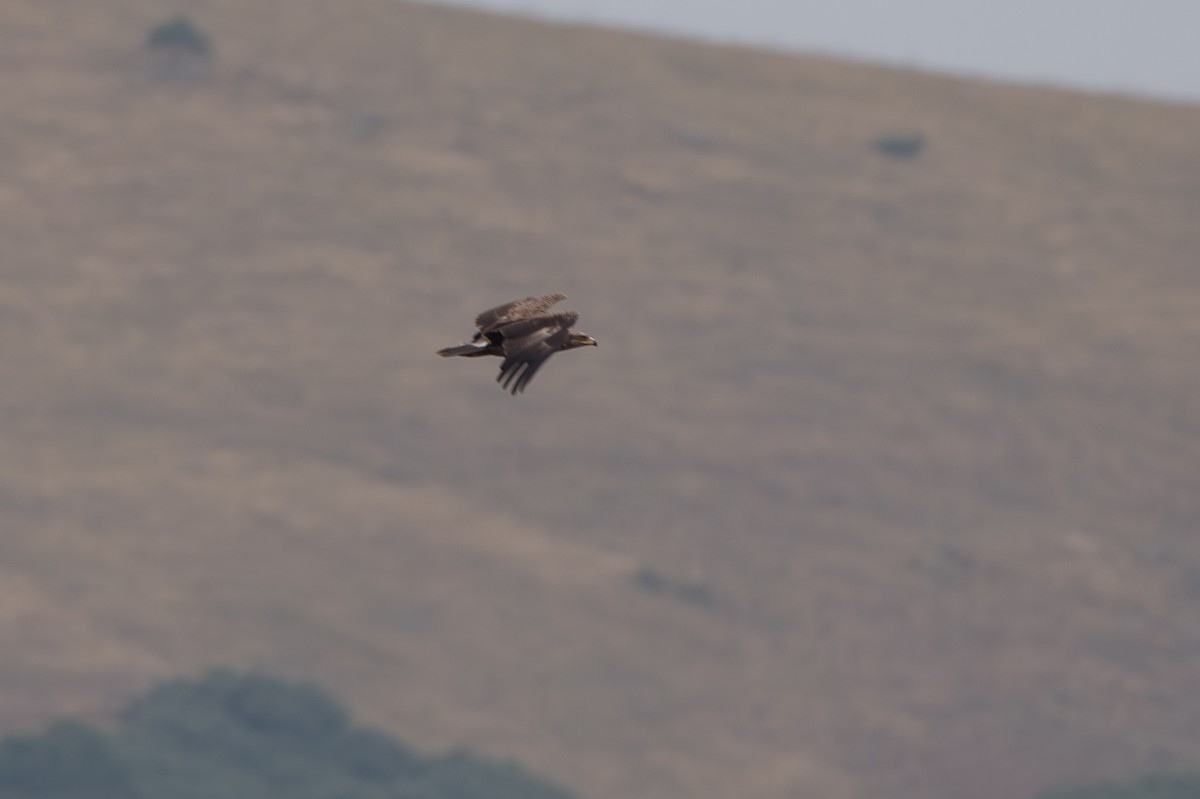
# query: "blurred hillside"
x,y
882,481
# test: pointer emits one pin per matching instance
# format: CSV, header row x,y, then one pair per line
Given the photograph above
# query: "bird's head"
x,y
577,339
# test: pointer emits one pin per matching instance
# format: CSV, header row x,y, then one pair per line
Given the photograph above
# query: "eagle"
x,y
525,334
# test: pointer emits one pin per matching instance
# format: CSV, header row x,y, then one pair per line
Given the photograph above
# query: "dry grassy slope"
x,y
913,444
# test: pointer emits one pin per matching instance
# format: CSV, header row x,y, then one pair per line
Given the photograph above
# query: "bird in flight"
x,y
525,335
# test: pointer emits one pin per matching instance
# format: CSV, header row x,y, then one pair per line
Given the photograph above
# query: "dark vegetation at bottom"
x,y
1151,786
240,736
250,736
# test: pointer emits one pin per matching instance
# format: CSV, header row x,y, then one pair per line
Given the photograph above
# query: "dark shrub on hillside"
x,y
239,736
69,761
178,33
900,145
179,51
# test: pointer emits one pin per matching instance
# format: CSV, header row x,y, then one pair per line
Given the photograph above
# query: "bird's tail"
x,y
469,348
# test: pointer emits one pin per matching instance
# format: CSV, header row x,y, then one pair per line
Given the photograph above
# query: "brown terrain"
x,y
884,480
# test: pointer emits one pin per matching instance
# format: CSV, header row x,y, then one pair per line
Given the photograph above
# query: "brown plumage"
x,y
525,335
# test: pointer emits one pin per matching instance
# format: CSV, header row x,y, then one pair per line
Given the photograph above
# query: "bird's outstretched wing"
x,y
529,343
515,333
519,309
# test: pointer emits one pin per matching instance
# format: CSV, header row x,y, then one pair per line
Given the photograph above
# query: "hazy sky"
x,y
1132,46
